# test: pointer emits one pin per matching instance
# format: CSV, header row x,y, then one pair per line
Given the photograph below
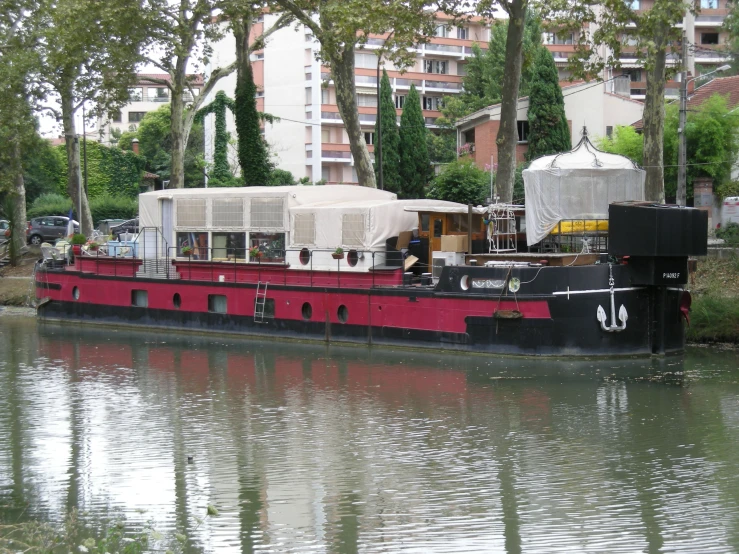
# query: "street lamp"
x,y
681,147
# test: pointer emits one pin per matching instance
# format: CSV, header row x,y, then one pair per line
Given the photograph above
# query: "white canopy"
x,y
443,207
579,184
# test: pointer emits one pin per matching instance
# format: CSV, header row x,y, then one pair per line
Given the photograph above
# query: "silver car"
x,y
48,229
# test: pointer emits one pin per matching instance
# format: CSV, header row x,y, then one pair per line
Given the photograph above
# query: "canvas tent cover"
x,y
577,185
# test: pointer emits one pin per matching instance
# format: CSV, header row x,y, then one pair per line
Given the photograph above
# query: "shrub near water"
x,y
714,319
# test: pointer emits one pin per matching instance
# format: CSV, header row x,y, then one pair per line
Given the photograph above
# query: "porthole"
x,y
342,313
176,300
464,283
304,256
307,311
76,293
352,258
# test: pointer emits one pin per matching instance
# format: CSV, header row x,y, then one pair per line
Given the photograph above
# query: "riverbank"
x,y
714,315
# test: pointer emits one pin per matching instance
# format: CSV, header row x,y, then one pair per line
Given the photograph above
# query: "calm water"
x,y
304,448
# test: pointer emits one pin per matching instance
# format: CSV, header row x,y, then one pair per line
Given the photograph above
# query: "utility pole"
x,y
681,145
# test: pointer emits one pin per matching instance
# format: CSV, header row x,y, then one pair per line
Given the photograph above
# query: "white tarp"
x,y
577,185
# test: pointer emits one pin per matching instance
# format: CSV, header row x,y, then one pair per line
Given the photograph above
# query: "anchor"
x,y
622,315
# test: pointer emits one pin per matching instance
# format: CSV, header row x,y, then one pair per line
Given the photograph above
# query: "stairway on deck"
x,y
157,269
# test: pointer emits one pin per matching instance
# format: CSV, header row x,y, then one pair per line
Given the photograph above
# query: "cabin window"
x,y
190,212
229,246
458,223
425,223
271,246
228,212
140,298
267,213
352,230
217,303
193,245
438,226
304,229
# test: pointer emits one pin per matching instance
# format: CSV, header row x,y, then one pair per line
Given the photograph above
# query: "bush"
x,y
461,181
49,204
714,319
103,207
729,233
280,177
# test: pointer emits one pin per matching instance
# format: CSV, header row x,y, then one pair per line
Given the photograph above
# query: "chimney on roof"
x,y
135,146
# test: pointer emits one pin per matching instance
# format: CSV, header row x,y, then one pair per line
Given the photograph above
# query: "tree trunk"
x,y
508,130
73,164
18,217
178,134
342,71
654,129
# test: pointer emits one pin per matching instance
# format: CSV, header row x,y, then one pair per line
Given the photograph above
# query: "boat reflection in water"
x,y
303,447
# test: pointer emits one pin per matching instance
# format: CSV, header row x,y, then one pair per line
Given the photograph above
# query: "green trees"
x,y
221,175
461,181
390,139
712,139
549,132
253,155
414,156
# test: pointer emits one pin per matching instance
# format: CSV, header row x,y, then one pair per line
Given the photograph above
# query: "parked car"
x,y
4,229
105,225
130,226
48,229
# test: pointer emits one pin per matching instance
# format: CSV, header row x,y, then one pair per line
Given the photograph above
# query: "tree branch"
x,y
300,15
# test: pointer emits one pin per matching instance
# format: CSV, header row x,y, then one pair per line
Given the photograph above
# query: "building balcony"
x,y
336,156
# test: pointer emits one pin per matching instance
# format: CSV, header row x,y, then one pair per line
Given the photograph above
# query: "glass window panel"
x,y
271,246
196,242
229,246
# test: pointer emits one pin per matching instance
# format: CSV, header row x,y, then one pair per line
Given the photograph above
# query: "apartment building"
x,y
310,139
145,97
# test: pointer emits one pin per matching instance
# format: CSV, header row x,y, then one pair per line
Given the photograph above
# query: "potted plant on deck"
x,y
255,253
186,251
77,241
338,254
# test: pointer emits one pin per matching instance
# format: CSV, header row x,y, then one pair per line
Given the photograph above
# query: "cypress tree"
x,y
390,139
221,174
415,167
548,129
253,156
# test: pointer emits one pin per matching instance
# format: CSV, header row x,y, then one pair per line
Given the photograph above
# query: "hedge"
x,y
102,207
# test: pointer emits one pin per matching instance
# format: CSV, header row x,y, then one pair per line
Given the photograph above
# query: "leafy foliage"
x,y
624,141
221,173
390,139
252,149
44,168
461,181
729,233
155,145
280,177
549,132
102,207
415,166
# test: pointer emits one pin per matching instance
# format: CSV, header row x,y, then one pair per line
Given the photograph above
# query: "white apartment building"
x,y
310,139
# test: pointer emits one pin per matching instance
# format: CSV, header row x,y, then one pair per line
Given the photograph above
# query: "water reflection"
x,y
305,448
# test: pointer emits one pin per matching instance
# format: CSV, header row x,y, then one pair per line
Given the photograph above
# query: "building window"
x,y
260,18
325,135
442,31
709,38
229,246
433,103
325,96
116,116
399,101
309,95
609,131
140,298
523,131
369,138
158,94
258,56
365,60
634,75
135,117
462,69
558,38
463,33
367,100
195,245
709,4
435,66
326,173
136,94
270,245
634,4
217,304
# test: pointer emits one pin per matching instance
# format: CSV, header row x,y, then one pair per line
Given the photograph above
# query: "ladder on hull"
x,y
259,302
